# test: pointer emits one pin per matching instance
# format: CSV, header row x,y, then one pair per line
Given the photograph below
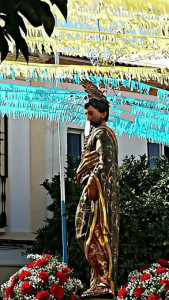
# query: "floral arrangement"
x,y
44,278
149,283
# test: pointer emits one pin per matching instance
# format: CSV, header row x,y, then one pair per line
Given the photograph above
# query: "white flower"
x,y
151,280
39,276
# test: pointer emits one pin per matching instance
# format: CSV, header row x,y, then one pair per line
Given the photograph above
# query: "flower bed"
x,y
44,278
149,283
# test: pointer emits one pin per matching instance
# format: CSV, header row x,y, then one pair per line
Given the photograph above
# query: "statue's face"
x,y
95,117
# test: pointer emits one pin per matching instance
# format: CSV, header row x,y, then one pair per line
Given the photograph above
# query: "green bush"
x,y
144,213
144,210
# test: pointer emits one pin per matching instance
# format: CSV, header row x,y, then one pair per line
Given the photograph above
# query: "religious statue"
x,y
97,215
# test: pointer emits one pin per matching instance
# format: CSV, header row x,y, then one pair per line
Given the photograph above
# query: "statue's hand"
x,y
91,189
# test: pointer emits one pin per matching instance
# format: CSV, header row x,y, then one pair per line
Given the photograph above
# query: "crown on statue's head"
x,y
93,91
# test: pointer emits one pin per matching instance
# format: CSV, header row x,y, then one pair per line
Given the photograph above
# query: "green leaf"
x,y
3,17
62,5
12,26
4,48
47,18
31,11
22,46
21,24
36,12
7,7
12,29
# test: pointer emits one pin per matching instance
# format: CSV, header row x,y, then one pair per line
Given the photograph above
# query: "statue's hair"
x,y
100,105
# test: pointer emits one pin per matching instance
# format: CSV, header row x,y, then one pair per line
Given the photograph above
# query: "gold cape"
x,y
97,222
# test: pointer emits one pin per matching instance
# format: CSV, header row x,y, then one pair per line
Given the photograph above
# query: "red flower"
x,y
126,284
166,287
122,293
47,255
166,282
8,292
72,296
57,291
160,270
23,275
42,295
143,268
153,297
31,264
15,278
26,288
162,261
138,291
145,276
44,276
67,270
42,262
163,281
62,276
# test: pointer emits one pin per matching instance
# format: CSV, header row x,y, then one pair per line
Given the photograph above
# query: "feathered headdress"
x,y
93,91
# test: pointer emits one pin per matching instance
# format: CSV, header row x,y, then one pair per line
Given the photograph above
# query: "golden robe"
x,y
97,222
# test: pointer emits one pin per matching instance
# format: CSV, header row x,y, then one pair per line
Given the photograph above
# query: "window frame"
x,y
76,131
148,152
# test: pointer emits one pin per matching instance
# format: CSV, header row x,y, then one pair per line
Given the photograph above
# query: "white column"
x,y
51,156
19,172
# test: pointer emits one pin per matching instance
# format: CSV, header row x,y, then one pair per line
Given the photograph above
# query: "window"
x,y
153,151
74,142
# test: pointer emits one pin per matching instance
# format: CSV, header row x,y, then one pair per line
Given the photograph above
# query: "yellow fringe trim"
x,y
149,14
50,72
107,46
119,15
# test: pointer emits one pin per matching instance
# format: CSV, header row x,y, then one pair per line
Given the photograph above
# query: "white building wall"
x,y
19,175
130,146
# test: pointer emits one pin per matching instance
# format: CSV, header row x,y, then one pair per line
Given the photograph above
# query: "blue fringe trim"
x,y
142,118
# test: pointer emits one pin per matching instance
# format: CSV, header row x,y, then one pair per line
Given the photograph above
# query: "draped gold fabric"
x,y
97,222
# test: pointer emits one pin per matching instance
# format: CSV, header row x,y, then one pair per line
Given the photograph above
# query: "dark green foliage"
x,y
144,212
49,237
62,5
37,12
